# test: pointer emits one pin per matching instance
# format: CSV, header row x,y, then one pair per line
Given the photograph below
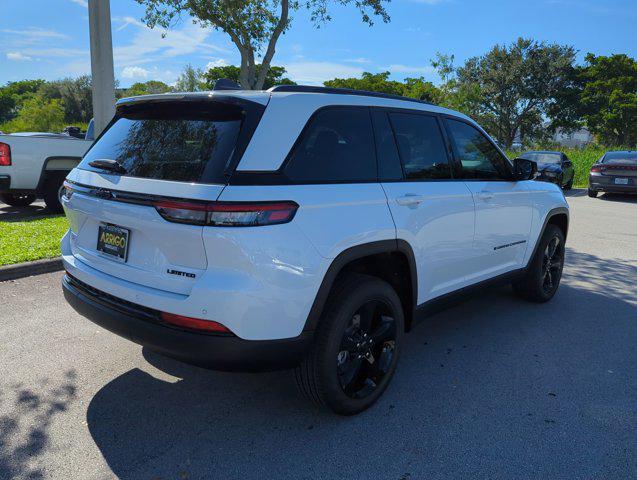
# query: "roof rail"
x,y
342,91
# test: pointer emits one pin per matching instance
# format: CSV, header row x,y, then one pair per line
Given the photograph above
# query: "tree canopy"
x,y
609,98
254,26
380,82
275,76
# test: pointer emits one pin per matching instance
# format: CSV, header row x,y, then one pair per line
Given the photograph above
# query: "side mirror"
x,y
524,169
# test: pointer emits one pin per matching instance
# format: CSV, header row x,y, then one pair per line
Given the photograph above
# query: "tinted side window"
x,y
478,156
421,146
337,146
389,167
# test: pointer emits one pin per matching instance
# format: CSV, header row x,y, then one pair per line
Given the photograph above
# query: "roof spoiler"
x,y
226,84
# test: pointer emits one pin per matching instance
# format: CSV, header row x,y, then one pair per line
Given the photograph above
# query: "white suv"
x,y
298,227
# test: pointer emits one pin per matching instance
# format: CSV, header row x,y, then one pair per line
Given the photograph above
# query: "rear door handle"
x,y
485,194
410,199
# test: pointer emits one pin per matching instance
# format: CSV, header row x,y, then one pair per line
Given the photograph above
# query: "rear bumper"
x,y
218,352
606,185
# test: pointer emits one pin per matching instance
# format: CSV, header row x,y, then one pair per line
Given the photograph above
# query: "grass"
x,y
582,159
31,239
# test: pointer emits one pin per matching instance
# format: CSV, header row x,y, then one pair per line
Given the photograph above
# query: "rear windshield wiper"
x,y
107,164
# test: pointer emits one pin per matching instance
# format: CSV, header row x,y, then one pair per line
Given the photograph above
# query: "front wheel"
x,y
356,347
545,268
17,199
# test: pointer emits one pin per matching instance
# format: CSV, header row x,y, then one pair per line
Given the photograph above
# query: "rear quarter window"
x,y
337,146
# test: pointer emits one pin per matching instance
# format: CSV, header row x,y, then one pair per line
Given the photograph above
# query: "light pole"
x,y
103,76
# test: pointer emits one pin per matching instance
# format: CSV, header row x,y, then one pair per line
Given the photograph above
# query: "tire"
x,y
53,191
592,193
346,371
569,185
545,268
17,199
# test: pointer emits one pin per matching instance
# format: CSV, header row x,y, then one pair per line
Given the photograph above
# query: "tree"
x,y
609,98
254,26
38,115
380,82
512,89
147,88
75,95
14,94
190,80
231,72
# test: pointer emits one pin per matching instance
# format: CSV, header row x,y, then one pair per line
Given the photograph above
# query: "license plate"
x,y
113,241
621,181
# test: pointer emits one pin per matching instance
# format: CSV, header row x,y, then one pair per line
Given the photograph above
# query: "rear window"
x,y
336,146
179,141
555,158
623,158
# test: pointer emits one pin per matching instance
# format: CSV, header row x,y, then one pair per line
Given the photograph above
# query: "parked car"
x,y
554,167
299,227
615,172
35,164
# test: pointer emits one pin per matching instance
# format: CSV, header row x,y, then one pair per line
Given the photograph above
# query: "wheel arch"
x,y
390,260
54,165
557,216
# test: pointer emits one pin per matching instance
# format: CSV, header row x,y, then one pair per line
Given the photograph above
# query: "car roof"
x,y
328,96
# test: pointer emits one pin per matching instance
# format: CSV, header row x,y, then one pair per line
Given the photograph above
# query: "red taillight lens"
x,y
5,155
596,168
194,323
228,214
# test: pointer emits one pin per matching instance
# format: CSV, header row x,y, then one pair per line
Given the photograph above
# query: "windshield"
x,y
622,158
179,141
555,158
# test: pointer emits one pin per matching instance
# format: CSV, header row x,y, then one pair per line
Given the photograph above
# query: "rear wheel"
x,y
17,199
569,185
356,347
53,191
545,268
592,193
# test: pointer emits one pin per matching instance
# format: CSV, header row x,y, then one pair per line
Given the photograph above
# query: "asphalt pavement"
x,y
491,388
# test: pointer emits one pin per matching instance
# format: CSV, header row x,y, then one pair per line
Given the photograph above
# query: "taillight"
x,y
228,214
5,155
596,168
194,323
68,190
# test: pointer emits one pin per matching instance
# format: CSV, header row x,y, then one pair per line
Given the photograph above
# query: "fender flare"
x,y
40,185
354,253
552,213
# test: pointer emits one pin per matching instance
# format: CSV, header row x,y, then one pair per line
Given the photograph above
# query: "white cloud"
x,y
135,73
220,62
149,46
358,60
18,57
82,3
315,73
399,68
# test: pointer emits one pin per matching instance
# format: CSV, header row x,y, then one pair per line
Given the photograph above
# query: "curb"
x,y
28,269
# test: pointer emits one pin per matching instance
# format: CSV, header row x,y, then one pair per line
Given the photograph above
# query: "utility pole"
x,y
103,76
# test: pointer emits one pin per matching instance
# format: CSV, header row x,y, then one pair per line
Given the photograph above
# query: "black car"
x,y
554,167
615,172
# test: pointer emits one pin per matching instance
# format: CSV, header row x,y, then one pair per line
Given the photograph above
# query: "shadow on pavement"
x,y
618,197
9,213
24,432
575,192
491,388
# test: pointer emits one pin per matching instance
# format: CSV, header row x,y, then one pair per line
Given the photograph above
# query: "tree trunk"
x,y
269,54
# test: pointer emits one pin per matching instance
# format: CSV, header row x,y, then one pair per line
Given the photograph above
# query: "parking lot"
x,y
491,388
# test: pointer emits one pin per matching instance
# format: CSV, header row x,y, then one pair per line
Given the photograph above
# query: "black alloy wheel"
x,y
367,349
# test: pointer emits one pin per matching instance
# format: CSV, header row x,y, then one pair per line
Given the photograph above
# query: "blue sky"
x,y
49,38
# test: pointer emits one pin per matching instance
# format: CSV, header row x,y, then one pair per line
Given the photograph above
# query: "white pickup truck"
x,y
35,164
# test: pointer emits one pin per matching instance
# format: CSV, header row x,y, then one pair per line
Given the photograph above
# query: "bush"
x,y
37,115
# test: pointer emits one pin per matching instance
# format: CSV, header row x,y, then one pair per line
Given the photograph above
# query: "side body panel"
x,y
29,154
